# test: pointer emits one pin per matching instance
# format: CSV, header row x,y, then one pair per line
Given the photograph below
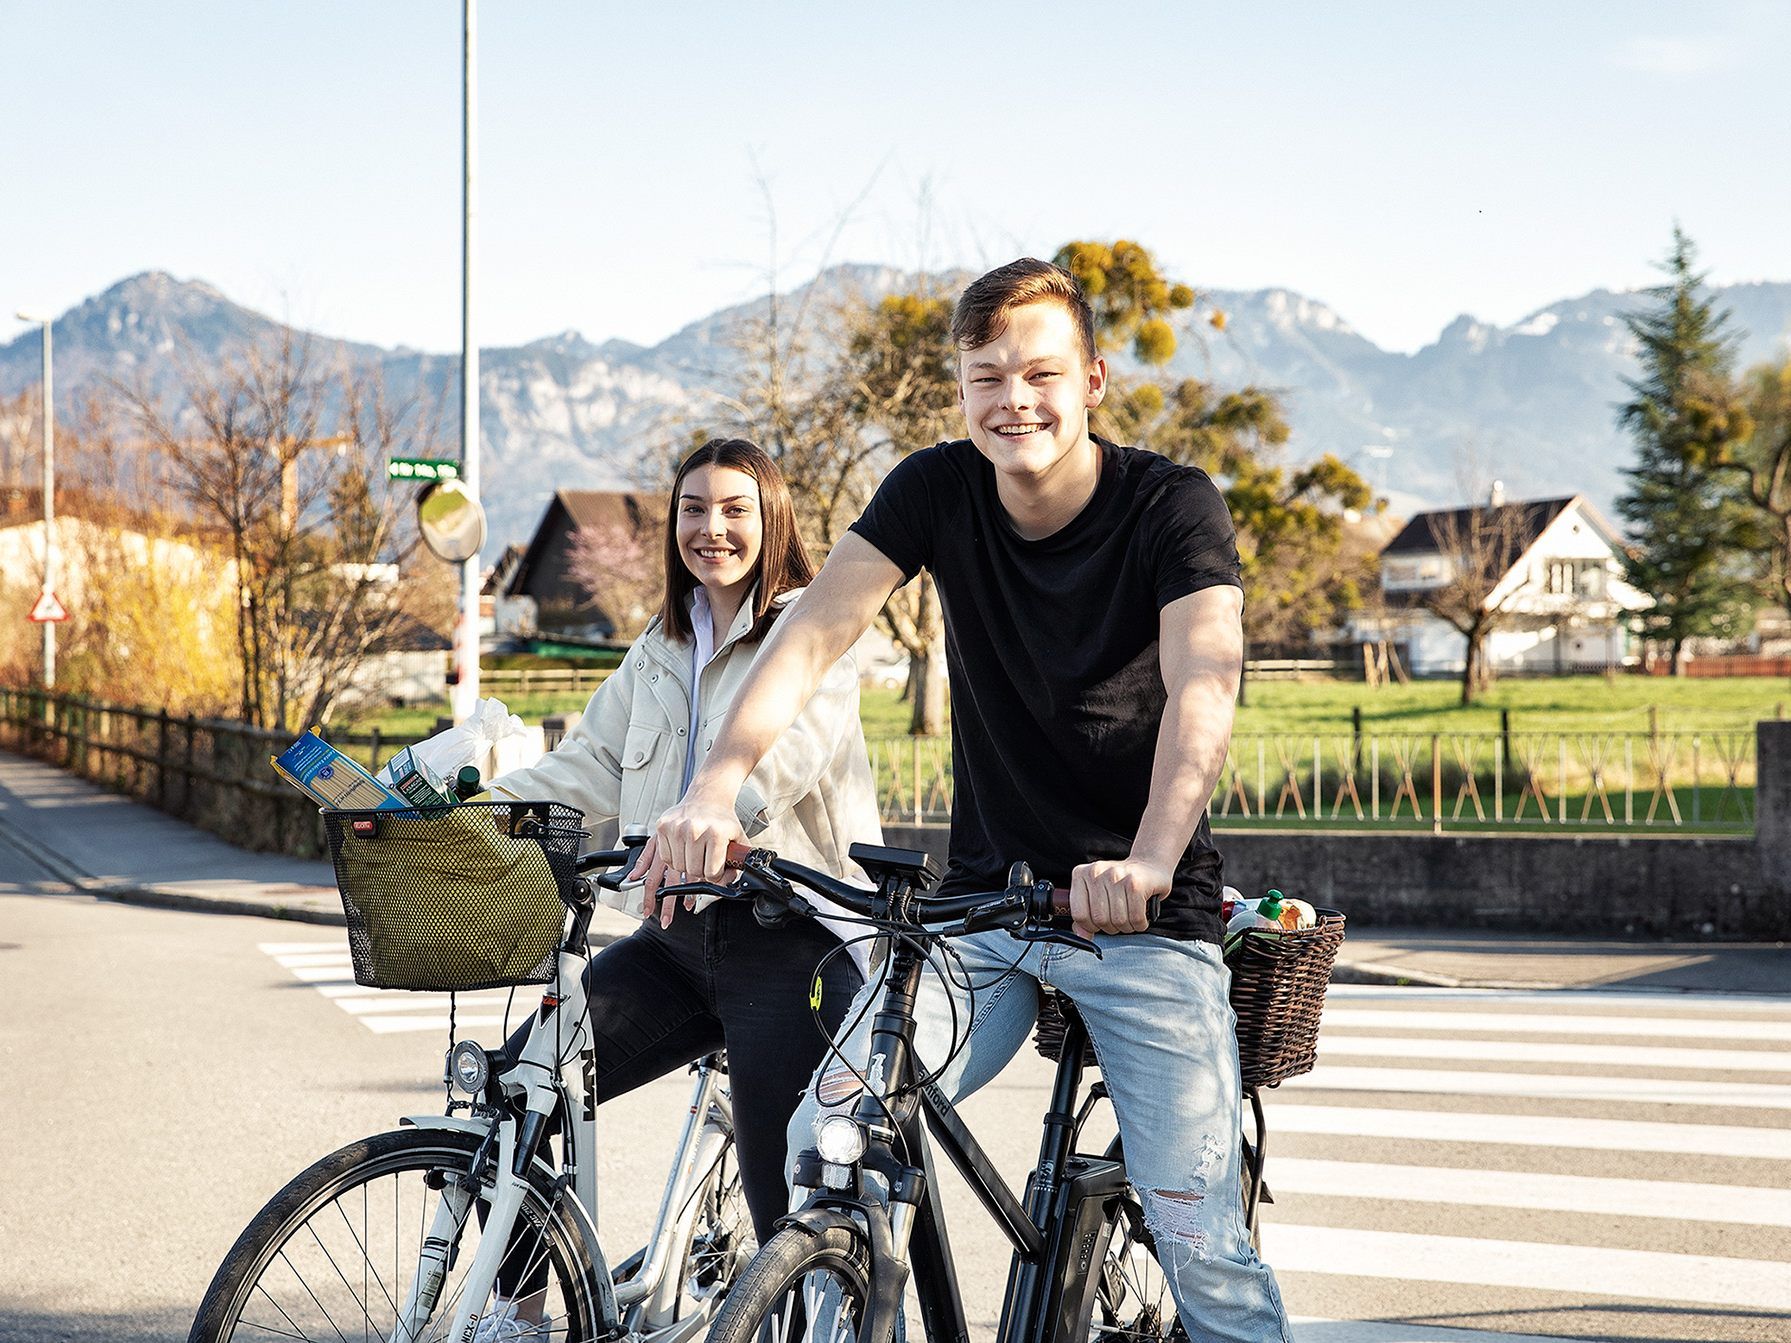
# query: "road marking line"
x,y
1548,1051
292,959
1616,1135
1591,1270
432,1002
462,1021
1774,1004
339,944
1736,1205
1529,1023
328,973
1311,1329
1546,1086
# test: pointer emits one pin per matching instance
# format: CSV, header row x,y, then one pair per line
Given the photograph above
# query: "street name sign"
x,y
422,468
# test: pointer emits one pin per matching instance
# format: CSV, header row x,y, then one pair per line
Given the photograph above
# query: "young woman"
x,y
686,984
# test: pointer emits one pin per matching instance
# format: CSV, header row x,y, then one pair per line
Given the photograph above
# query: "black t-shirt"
x,y
1057,695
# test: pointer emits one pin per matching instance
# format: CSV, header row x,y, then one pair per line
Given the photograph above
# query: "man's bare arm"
x,y
1201,653
839,605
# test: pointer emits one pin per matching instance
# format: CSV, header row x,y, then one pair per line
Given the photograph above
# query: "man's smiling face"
x,y
1027,393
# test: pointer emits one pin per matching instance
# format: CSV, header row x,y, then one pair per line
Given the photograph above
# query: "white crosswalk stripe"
x,y
1642,1160
327,967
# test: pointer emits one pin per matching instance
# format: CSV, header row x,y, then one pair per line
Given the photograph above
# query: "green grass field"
x,y
1587,740
1566,704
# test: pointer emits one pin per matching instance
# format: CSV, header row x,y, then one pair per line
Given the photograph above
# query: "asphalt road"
x,y
1462,1167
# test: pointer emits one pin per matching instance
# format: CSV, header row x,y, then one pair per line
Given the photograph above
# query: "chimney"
x,y
1496,497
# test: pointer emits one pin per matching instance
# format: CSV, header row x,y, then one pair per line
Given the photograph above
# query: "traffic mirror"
x,y
451,520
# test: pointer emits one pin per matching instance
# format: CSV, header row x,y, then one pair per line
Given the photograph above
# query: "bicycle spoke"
x,y
283,1315
360,1243
343,1276
287,1260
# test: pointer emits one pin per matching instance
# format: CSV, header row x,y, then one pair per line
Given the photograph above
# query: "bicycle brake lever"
x,y
993,915
1057,935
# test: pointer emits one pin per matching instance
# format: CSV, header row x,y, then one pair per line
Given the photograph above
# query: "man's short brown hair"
x,y
981,314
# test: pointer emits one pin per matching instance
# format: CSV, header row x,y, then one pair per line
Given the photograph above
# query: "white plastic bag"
x,y
491,738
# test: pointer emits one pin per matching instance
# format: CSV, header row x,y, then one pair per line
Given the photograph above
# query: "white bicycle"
x,y
482,1222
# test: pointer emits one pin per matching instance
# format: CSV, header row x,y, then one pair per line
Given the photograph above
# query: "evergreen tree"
x,y
1692,535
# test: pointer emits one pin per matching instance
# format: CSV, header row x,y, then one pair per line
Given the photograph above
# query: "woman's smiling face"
x,y
720,527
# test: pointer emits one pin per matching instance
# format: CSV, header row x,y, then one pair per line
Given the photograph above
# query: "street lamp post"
x,y
466,631
49,626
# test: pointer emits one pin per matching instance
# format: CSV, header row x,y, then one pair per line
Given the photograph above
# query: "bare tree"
x,y
620,561
310,527
1478,548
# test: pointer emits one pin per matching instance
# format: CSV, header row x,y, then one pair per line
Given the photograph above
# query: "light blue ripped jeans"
x,y
1159,1014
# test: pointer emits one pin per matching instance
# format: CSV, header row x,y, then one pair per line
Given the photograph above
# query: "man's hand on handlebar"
x,y
1114,897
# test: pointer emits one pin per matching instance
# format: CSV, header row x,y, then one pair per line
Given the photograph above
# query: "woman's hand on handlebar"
x,y
692,839
1115,896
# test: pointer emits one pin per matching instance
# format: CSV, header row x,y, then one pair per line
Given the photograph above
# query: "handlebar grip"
x,y
1060,904
738,853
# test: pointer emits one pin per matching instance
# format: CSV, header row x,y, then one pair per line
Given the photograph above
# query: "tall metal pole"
x,y
466,634
49,509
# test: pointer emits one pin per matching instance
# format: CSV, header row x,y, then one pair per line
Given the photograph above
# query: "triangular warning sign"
x,y
48,609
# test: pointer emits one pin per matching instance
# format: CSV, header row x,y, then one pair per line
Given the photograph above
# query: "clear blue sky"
x,y
1401,162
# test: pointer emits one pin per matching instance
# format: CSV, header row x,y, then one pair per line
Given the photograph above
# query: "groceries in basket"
x,y
409,775
1275,913
331,779
491,739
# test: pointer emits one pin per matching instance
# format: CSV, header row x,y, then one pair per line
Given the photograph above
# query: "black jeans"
x,y
664,997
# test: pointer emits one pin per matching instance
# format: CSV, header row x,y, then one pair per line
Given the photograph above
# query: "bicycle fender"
x,y
888,1277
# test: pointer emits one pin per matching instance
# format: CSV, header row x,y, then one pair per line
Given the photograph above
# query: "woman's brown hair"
x,y
783,560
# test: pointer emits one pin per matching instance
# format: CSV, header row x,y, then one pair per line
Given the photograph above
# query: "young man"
x,y
1093,637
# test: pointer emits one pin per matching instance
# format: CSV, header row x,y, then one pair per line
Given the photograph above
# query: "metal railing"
x,y
210,772
1682,781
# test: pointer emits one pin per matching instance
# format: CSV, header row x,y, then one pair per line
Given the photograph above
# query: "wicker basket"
x,y
455,899
1278,985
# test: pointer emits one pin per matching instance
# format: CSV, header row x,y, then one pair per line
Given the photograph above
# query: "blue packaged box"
x,y
331,779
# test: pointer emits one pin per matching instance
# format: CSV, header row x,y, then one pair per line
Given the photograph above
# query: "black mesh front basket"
x,y
456,898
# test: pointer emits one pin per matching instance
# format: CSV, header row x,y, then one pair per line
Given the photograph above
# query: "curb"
x,y
163,897
158,897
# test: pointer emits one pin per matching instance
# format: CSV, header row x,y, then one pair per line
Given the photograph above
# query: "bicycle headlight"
x,y
840,1139
469,1068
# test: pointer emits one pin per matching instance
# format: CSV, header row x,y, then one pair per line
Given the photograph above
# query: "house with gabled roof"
x,y
1552,567
540,595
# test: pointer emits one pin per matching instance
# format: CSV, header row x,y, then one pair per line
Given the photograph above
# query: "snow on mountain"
x,y
1531,404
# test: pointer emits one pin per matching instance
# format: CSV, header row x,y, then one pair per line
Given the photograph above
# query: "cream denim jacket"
x,y
810,798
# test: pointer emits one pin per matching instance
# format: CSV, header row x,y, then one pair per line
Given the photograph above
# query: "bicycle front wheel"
x,y
800,1286
374,1241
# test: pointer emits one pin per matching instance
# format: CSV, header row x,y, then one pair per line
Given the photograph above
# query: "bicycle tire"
x,y
763,1308
292,1263
1132,1301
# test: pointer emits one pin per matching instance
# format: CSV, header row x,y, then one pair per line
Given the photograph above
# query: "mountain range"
x,y
1532,404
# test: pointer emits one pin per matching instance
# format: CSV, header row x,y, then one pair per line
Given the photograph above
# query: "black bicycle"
x,y
1084,1262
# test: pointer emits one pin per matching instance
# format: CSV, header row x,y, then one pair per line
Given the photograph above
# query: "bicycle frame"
x,y
1055,1267
646,1303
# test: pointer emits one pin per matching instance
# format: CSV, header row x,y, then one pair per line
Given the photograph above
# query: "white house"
x,y
1559,583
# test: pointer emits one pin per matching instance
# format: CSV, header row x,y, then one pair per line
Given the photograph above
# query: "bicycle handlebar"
x,y
1037,907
